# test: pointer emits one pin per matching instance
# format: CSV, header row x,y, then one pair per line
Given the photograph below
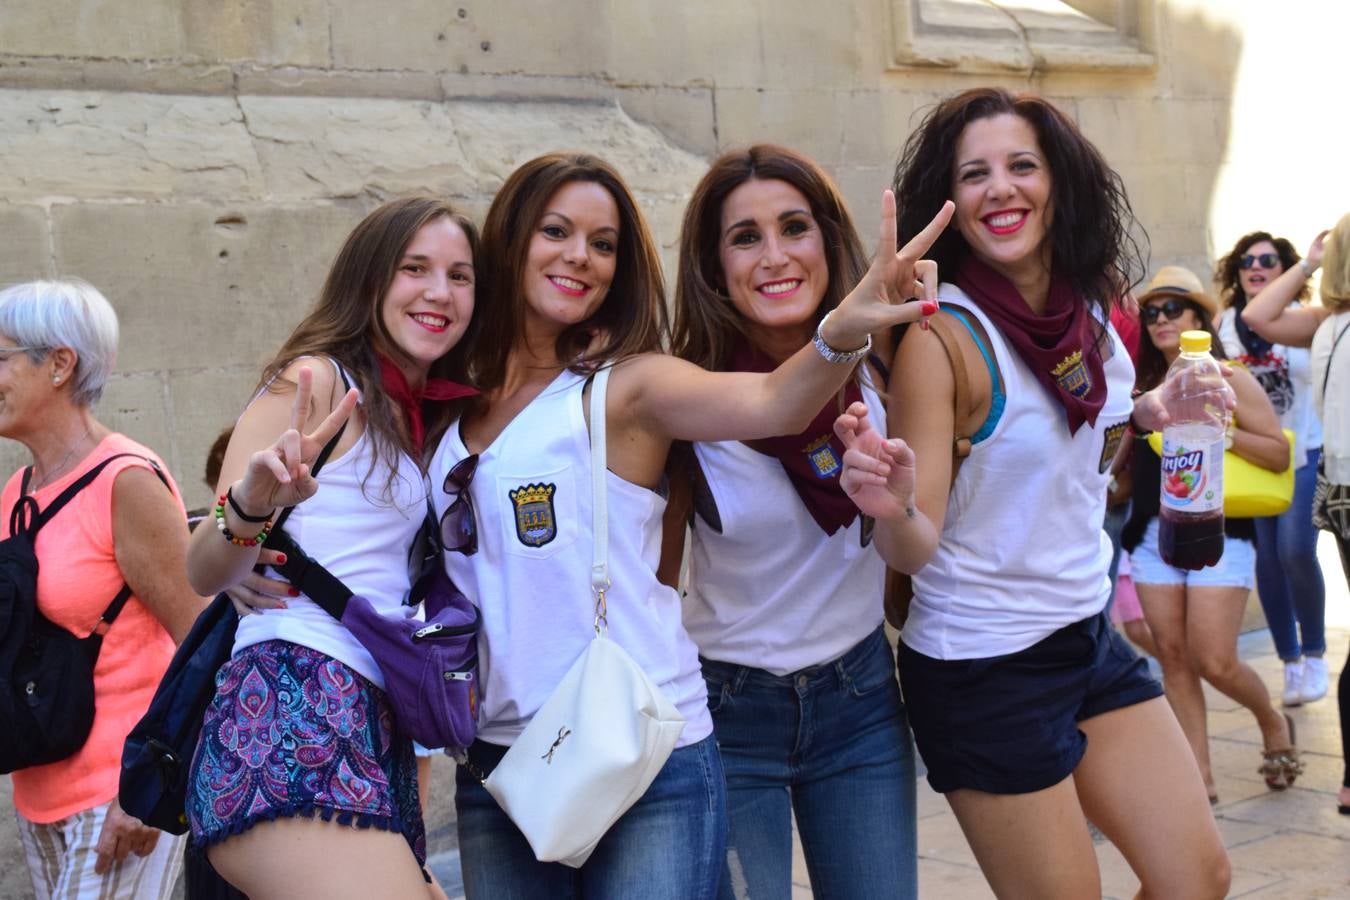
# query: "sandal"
x,y
1281,767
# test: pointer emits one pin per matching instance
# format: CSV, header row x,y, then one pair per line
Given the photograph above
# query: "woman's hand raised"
x,y
879,474
879,300
279,475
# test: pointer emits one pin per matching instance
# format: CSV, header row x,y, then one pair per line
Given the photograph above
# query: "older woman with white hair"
x,y
126,528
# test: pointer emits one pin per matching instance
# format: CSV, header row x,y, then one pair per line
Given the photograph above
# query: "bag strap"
x,y
599,500
946,335
1332,355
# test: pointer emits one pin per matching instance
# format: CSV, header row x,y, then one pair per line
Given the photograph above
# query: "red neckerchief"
x,y
410,401
812,459
1059,346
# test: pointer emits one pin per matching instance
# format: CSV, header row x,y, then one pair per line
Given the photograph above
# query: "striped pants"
x,y
61,859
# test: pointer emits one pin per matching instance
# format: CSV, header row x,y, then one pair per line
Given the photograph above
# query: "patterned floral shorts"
x,y
293,732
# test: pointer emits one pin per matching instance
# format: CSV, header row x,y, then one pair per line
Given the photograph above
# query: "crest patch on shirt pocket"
x,y
536,517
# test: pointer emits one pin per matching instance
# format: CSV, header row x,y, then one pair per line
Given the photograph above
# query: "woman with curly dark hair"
x,y
1288,577
1030,712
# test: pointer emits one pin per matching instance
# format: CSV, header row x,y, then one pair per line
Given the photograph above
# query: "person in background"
x,y
783,596
1288,576
1195,616
1331,395
1031,712
58,345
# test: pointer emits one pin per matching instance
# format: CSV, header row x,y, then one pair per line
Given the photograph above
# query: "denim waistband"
x,y
839,668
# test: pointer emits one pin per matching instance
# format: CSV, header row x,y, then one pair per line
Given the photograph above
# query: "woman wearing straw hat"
x,y
1195,615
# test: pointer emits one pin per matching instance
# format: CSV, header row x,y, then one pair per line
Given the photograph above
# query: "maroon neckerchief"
x,y
1059,346
812,459
410,401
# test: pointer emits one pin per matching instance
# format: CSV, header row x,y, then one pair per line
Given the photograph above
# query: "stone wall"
x,y
200,161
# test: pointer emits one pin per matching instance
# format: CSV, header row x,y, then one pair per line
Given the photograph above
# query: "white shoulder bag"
x,y
594,747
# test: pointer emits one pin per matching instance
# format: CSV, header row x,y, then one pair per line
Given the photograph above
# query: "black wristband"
x,y
229,498
1138,430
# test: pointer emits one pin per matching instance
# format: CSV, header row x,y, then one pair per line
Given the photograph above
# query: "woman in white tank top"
x,y
783,592
299,731
1031,713
573,281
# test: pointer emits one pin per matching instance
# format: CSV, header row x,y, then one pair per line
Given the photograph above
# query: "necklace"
x,y
48,477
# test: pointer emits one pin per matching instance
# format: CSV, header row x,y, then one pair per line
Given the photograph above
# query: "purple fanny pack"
x,y
430,667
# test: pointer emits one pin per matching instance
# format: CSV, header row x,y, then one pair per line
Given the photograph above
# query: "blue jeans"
x,y
830,744
1288,576
668,845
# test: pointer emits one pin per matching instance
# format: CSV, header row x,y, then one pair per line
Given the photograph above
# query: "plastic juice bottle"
x,y
1190,526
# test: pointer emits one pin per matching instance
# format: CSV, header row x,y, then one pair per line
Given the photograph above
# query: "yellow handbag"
x,y
1249,491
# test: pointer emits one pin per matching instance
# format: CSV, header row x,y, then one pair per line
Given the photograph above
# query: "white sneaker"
x,y
1293,684
1314,679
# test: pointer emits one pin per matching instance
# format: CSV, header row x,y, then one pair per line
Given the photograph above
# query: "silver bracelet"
x,y
1307,269
838,356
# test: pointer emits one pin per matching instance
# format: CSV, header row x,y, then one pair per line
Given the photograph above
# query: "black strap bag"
x,y
46,673
158,752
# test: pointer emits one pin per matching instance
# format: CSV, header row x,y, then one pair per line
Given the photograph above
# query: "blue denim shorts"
x,y
1236,568
1009,724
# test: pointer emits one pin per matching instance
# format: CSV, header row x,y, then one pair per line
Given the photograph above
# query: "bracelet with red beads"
x,y
231,536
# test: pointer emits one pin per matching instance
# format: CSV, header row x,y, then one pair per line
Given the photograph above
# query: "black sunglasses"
x,y
1172,308
1267,260
458,530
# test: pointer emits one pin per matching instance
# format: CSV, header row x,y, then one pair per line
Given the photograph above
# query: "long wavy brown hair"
x,y
1151,366
345,324
633,314
1227,268
706,322
1096,242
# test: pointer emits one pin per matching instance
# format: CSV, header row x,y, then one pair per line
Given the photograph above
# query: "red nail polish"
x,y
281,559
928,307
293,592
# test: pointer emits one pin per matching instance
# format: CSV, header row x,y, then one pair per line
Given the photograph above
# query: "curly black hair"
x,y
1092,233
1226,269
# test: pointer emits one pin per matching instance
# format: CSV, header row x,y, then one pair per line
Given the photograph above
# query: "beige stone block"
x,y
524,86
311,146
778,43
202,285
134,404
474,36
146,76
1201,49
204,402
283,32
121,29
808,121
299,81
1158,195
25,253
102,144
685,116
1172,131
862,187
13,456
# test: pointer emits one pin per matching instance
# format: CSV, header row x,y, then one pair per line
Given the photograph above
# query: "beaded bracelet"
x,y
230,536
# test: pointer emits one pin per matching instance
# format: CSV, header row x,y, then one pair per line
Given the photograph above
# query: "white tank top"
x,y
1022,551
1296,412
361,536
772,590
531,575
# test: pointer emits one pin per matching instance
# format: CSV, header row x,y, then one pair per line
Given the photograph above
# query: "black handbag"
x,y
159,749
1331,502
46,673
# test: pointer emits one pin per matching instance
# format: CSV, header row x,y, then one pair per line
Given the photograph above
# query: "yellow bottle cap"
x,y
1195,342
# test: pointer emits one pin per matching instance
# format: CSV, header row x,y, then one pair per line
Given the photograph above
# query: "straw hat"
x,y
1178,281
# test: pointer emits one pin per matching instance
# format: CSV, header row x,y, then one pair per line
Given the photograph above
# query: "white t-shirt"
x,y
1285,373
772,590
361,536
1022,552
1334,405
531,575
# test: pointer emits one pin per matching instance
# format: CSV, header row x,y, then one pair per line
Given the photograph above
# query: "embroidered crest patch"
x,y
1072,375
536,524
1111,444
824,461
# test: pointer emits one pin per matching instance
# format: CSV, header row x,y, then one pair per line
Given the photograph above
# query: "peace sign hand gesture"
x,y
879,300
279,475
879,474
